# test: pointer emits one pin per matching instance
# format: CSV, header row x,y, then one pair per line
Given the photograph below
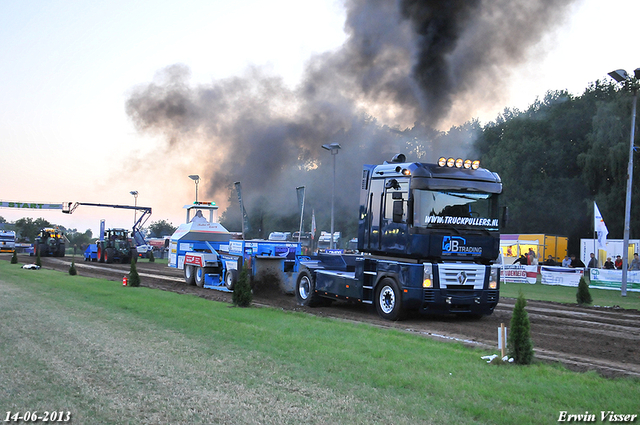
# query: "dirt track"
x,y
583,338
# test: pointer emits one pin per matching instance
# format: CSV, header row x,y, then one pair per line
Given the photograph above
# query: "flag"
x,y
313,224
600,227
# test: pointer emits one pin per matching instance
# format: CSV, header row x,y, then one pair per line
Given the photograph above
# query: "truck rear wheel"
x,y
388,300
306,290
189,274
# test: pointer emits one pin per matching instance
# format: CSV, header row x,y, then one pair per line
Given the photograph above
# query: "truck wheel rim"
x,y
387,299
304,287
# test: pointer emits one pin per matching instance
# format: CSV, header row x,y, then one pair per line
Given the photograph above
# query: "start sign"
x,y
31,205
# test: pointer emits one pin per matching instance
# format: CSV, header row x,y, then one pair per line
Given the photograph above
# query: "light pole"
x,y
195,178
135,203
620,76
333,148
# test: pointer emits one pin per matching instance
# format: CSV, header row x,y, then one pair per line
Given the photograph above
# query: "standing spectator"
x,y
609,264
593,262
576,263
567,261
635,263
618,263
532,257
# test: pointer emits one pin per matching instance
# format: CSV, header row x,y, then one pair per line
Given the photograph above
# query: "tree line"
x,y
559,156
27,229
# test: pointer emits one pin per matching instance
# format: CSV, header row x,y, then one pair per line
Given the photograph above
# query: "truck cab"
x,y
430,212
428,235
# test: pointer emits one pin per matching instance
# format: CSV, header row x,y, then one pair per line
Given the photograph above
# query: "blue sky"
x,y
68,67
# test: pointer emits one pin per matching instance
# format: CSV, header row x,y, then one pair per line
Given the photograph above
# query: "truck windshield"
x,y
433,209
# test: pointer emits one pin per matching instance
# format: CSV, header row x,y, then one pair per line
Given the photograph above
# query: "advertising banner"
x,y
31,205
612,279
561,276
518,274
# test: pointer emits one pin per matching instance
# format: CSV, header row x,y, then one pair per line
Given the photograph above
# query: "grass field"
x,y
567,295
119,355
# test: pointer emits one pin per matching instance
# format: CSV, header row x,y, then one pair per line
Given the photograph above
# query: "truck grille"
x,y
456,275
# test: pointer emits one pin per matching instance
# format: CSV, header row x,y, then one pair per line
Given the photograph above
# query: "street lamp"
x,y
195,178
620,75
135,202
333,148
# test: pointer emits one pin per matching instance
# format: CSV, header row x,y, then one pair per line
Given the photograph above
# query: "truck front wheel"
x,y
388,300
189,274
306,289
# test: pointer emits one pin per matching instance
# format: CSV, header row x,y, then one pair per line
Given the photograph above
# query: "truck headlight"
x,y
427,280
494,277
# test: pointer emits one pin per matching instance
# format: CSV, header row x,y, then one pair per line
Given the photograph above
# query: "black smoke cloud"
x,y
405,69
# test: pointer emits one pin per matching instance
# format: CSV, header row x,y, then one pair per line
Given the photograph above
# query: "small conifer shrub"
x,y
14,258
38,261
152,258
583,296
134,277
72,269
242,295
519,342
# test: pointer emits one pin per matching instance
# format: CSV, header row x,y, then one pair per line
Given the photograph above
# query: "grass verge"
x,y
567,295
119,355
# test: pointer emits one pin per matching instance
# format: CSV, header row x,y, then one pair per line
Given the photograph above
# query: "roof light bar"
x,y
458,163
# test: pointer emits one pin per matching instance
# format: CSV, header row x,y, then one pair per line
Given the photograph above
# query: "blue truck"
x,y
428,240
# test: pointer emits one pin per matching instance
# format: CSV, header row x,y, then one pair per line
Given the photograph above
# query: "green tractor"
x,y
50,242
116,247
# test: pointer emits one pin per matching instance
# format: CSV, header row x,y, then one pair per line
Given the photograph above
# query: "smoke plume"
x,y
406,68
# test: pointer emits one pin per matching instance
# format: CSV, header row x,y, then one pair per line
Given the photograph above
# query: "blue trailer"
x,y
91,253
428,237
210,258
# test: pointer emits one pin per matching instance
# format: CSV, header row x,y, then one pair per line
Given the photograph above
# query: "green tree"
x,y
72,269
519,343
134,277
540,156
583,296
242,295
28,228
161,228
81,240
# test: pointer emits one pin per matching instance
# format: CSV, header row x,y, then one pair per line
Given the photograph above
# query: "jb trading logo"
x,y
458,245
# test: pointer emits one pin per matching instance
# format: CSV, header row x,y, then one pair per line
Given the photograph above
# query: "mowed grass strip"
x,y
118,355
567,295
